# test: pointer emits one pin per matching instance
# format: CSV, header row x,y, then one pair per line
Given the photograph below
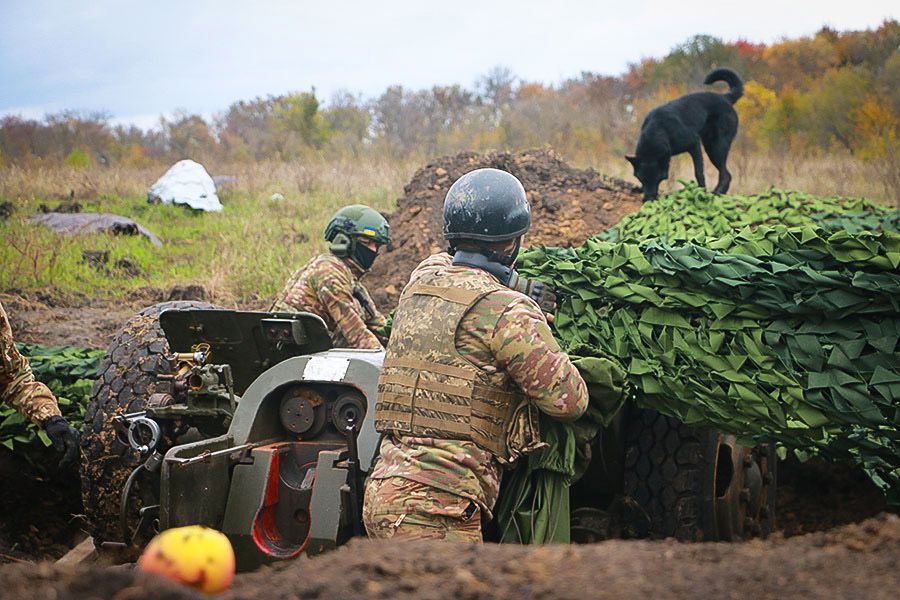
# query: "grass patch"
x,y
242,254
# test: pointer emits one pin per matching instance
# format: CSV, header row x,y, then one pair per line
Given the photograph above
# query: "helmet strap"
x,y
515,253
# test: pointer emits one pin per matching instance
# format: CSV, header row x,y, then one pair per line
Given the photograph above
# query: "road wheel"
x,y
696,484
126,378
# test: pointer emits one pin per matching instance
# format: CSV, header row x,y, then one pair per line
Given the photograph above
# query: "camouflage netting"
x,y
769,317
696,215
68,372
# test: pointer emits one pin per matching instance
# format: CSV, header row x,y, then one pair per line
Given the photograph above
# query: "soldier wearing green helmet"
x,y
328,285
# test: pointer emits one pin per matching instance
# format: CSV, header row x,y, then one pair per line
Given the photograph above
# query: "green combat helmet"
x,y
353,222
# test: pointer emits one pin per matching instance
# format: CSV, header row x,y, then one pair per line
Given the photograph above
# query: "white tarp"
x,y
186,182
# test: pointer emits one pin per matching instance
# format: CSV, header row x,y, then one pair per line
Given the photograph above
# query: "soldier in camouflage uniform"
x,y
328,285
32,399
468,363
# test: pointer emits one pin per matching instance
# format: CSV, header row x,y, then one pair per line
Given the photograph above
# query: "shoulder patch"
x,y
543,331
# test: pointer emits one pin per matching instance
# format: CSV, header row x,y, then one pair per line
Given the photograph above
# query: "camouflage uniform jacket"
x,y
327,286
17,385
507,331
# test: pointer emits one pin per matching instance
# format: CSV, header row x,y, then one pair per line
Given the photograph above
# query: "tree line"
x,y
829,92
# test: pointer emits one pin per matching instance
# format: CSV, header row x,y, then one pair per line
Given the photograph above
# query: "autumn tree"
x,y
187,136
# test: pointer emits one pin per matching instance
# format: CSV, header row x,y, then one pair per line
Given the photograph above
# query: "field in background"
x,y
241,255
244,254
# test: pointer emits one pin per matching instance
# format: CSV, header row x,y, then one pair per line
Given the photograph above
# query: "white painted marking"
x,y
326,368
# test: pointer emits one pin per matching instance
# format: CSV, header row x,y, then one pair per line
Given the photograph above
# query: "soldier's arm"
x,y
524,346
32,399
337,296
287,301
375,321
374,318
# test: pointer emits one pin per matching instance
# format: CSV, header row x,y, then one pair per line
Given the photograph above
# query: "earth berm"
x,y
855,561
568,206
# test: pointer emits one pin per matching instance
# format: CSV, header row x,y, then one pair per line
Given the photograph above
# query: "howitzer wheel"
x,y
695,484
125,380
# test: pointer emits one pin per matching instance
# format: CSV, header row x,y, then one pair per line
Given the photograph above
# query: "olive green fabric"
x,y
533,507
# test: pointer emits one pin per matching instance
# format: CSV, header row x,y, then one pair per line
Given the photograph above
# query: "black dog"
x,y
681,126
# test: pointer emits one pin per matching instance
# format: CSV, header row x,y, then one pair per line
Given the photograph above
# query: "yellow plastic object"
x,y
195,555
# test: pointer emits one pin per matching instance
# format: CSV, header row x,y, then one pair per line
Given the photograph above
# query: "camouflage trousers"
x,y
397,508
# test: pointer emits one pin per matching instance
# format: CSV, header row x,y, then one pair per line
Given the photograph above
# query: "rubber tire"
x,y
126,378
667,473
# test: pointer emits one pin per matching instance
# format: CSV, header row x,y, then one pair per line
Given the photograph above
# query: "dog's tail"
x,y
731,78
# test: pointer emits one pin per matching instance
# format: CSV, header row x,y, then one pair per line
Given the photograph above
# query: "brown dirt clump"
x,y
568,205
51,320
856,561
85,326
44,581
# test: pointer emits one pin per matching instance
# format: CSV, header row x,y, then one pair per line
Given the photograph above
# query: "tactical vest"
x,y
426,388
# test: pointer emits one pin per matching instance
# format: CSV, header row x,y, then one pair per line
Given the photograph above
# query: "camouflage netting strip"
x,y
785,333
693,214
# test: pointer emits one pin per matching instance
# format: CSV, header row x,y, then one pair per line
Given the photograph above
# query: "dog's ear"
x,y
631,158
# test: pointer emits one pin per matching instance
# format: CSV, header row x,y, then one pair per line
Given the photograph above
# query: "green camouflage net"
x,y
69,373
693,214
731,321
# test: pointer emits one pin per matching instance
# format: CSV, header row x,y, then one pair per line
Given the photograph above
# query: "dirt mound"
x,y
568,205
43,581
800,567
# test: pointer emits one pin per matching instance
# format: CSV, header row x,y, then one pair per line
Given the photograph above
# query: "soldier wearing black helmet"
x,y
328,285
469,362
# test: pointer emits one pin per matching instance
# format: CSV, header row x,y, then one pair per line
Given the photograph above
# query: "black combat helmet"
x,y
487,205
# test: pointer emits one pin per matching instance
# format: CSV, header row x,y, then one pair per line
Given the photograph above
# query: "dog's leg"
x,y
717,150
717,141
697,157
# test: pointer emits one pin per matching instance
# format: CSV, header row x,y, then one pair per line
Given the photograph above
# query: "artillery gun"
x,y
253,424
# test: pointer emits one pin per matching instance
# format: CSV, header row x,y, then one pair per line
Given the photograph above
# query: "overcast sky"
x,y
137,59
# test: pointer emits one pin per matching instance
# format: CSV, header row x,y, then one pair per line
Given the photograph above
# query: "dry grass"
x,y
753,173
244,254
826,175
342,177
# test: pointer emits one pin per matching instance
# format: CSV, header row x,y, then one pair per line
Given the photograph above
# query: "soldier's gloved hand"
x,y
540,292
65,439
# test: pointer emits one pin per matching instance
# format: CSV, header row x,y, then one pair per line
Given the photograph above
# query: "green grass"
x,y
242,254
